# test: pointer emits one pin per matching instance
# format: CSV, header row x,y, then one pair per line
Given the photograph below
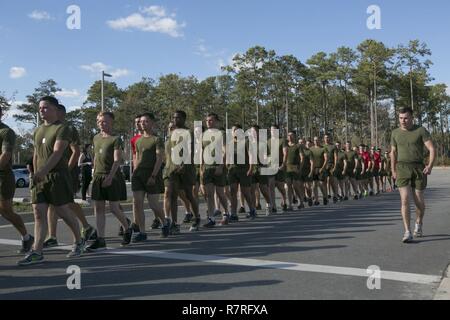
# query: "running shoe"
x,y
126,239
241,210
407,237
195,225
98,245
225,220
50,243
234,218
121,232
77,250
165,230
139,237
174,229
418,232
87,233
27,245
210,224
156,224
188,218
32,258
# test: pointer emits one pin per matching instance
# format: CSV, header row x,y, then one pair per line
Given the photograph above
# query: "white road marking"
x,y
266,264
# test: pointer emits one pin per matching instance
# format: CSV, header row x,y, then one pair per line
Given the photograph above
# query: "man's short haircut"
x,y
275,126
255,126
238,126
182,114
51,100
149,115
215,115
293,132
107,113
62,108
138,116
406,110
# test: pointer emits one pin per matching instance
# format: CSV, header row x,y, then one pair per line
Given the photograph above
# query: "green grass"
x,y
22,207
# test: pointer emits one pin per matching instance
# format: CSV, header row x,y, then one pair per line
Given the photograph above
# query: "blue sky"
x,y
132,39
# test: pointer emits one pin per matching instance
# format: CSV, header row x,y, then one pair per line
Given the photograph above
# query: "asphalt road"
x,y
318,253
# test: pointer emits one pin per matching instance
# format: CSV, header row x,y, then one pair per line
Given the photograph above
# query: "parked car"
x,y
22,178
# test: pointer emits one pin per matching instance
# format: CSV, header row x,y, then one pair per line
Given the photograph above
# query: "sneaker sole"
x,y
51,246
31,263
95,250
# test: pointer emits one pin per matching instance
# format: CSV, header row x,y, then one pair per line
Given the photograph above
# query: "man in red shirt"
x,y
376,156
366,173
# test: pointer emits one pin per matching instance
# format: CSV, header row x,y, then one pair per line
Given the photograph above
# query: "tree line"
x,y
353,94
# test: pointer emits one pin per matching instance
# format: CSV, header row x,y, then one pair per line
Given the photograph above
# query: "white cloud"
x,y
14,104
154,10
150,19
96,69
117,73
68,93
17,72
40,15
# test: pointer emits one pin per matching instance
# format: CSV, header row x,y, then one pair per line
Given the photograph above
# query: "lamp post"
x,y
103,89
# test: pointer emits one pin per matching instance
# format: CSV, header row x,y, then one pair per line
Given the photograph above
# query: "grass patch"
x,y
22,207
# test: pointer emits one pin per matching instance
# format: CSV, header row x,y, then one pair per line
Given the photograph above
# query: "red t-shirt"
x,y
377,160
133,142
366,157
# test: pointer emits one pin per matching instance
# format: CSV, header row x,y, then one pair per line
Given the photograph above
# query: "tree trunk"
x,y
345,111
257,105
375,108
372,123
411,87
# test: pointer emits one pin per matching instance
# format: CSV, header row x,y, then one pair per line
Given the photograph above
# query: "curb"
x,y
443,292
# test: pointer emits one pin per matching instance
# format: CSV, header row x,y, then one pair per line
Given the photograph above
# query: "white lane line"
x,y
266,264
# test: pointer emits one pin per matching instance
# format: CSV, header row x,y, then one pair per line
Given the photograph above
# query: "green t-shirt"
x,y
104,153
293,157
388,164
359,162
307,160
146,148
340,160
318,156
7,142
212,144
170,166
282,143
330,149
410,144
45,138
236,152
350,156
74,141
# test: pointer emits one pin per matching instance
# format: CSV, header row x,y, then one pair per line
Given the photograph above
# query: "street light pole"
x,y
103,89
